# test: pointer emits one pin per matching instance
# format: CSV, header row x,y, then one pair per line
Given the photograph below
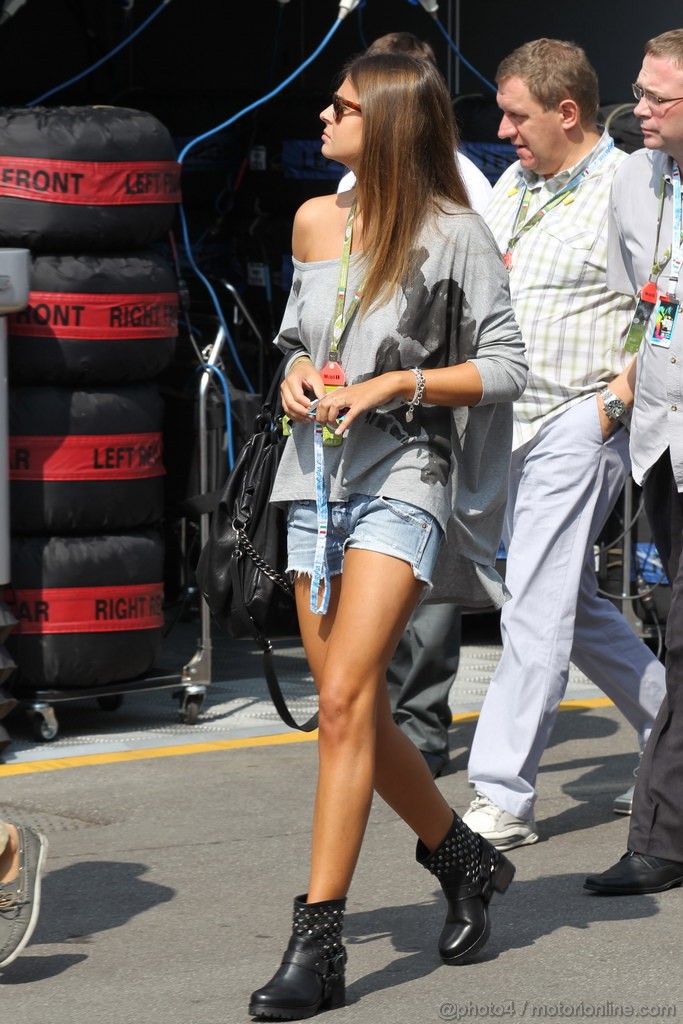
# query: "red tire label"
x,y
97,316
87,609
86,457
81,183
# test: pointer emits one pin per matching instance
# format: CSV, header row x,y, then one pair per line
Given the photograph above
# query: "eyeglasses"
x,y
652,101
339,103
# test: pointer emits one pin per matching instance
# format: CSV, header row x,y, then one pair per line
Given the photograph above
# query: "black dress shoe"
x,y
435,762
637,873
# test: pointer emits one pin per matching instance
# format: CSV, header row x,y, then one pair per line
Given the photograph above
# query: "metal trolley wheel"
x,y
190,706
191,693
44,724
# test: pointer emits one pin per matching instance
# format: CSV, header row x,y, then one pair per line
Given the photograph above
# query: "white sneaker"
x,y
502,829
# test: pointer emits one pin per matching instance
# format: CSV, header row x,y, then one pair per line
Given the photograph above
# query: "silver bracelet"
x,y
419,391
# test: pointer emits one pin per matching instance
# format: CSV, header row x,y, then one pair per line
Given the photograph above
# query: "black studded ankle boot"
x,y
311,976
469,869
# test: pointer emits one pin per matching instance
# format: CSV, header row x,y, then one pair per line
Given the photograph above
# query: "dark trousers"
x,y
421,674
657,818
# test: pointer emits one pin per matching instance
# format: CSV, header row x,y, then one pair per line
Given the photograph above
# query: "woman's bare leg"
x,y
348,652
404,781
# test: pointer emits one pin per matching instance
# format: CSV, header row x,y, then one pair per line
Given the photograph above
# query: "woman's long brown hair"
x,y
406,170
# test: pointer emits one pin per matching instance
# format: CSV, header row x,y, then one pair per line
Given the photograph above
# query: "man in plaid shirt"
x,y
548,213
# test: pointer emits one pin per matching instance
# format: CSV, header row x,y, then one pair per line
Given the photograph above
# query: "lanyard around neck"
x,y
521,224
341,319
675,250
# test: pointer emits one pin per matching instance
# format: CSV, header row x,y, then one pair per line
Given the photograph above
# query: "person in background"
x,y
22,861
423,668
644,260
548,214
405,358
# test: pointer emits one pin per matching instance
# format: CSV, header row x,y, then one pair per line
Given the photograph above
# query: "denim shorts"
x,y
386,525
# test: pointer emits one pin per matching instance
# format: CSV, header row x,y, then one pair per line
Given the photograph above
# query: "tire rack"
x,y
191,683
106,221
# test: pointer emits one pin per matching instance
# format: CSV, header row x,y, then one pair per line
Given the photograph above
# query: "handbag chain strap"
x,y
244,546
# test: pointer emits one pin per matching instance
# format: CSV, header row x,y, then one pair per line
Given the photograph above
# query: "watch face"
x,y
614,407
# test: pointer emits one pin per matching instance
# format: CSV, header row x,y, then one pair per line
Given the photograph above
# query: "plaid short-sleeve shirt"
x,y
572,324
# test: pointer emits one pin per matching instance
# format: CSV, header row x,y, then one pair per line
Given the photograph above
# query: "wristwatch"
x,y
613,405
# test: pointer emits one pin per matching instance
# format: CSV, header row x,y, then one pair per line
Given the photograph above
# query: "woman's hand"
x,y
356,399
302,380
451,386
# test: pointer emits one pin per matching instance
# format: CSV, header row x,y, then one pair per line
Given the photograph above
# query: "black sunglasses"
x,y
339,103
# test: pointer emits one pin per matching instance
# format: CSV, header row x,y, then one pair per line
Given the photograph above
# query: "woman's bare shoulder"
x,y
315,221
319,206
310,212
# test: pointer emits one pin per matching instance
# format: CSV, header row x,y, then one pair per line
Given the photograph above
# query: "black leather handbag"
x,y
241,568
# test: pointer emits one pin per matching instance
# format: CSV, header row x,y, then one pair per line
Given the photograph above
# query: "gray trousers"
x,y
563,485
421,674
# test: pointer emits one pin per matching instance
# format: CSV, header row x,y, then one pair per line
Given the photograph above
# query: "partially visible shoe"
x,y
20,898
624,803
635,874
435,762
502,829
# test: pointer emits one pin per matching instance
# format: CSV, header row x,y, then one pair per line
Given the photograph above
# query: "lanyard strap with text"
x,y
341,319
320,576
676,241
675,251
521,224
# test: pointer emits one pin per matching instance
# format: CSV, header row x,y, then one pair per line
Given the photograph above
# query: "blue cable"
x,y
214,299
460,57
264,99
102,60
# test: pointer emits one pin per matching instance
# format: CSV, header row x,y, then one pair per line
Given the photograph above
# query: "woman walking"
x,y
405,358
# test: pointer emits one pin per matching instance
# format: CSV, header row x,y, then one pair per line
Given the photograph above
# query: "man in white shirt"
x,y
645,255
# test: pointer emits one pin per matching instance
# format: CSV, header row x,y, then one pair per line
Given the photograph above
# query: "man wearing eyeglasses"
x,y
645,258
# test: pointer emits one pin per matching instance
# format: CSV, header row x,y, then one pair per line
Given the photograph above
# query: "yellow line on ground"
x,y
591,702
145,754
117,756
